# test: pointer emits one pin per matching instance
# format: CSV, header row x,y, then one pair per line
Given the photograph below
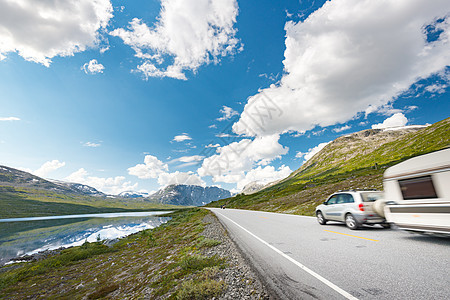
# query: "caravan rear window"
x,y
417,188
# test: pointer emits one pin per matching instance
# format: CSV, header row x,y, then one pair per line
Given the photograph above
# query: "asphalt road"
x,y
300,259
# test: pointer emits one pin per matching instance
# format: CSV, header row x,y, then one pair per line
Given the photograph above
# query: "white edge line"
x,y
265,212
301,266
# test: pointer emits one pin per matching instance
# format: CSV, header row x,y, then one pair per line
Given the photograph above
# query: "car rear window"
x,y
371,196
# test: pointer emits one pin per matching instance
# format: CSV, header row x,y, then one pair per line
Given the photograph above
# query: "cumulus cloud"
x,y
264,175
311,152
151,168
177,177
41,30
227,113
350,55
9,119
188,34
232,161
397,120
110,185
182,137
93,67
49,167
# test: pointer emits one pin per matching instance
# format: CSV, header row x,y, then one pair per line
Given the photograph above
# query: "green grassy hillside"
x,y
353,161
16,202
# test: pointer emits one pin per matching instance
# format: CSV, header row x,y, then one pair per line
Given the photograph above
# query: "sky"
x,y
136,95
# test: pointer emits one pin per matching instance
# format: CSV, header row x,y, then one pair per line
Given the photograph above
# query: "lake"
x,y
22,236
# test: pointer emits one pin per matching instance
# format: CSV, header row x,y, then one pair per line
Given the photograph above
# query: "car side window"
x,y
332,200
345,198
349,198
341,199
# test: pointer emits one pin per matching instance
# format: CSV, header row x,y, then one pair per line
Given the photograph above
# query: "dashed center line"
x,y
355,236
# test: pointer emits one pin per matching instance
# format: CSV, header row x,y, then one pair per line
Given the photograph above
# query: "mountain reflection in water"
x,y
19,238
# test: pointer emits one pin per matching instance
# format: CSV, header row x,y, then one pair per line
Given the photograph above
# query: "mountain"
x,y
356,160
133,194
79,188
15,178
252,188
189,195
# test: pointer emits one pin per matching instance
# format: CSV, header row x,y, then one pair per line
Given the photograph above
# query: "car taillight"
x,y
361,207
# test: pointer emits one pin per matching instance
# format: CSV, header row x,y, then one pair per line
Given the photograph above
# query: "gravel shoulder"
x,y
241,281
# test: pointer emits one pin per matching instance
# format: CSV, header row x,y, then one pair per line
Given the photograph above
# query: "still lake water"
x,y
30,235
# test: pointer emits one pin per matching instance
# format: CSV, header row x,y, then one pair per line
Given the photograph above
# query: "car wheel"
x,y
350,221
320,218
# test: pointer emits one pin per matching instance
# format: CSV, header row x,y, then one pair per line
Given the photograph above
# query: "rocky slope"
x,y
180,194
11,177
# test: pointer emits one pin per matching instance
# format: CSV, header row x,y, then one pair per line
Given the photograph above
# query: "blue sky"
x,y
130,96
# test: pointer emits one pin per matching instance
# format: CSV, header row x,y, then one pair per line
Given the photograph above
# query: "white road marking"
x,y
301,266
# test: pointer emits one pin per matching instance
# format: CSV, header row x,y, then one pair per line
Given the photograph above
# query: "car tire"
x,y
351,222
320,218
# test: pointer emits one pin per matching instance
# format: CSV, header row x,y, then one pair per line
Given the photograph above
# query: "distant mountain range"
x,y
180,194
133,194
189,195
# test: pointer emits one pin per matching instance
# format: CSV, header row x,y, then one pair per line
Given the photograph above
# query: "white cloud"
x,y
9,119
343,128
188,178
233,160
188,34
411,108
227,113
343,59
212,126
92,144
182,137
151,168
110,185
311,152
41,30
93,67
225,135
188,159
212,146
436,88
397,120
49,167
264,175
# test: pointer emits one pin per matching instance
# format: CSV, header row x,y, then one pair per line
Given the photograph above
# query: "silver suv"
x,y
354,208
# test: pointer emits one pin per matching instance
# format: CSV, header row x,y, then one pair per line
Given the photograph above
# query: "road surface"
x,y
300,259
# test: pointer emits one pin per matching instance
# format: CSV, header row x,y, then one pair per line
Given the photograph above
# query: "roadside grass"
x,y
165,262
207,243
67,257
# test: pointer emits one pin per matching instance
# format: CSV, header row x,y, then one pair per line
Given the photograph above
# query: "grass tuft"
x,y
198,262
207,289
208,243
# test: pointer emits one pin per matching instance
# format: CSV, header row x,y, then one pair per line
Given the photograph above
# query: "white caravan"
x,y
420,187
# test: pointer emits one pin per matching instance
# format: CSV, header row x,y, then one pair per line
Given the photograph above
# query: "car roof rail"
x,y
358,190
